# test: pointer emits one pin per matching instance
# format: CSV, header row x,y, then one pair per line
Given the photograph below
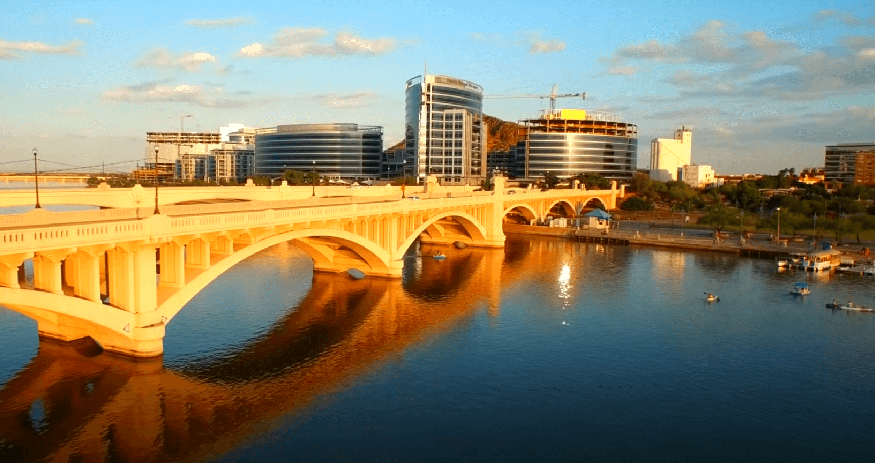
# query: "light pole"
x,y
36,178
779,225
403,177
814,239
741,226
156,180
314,179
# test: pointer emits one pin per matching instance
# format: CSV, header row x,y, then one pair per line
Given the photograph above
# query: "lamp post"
x,y
314,178
156,180
779,225
814,239
36,178
403,177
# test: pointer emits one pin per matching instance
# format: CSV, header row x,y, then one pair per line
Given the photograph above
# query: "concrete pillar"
x,y
11,269
87,271
70,268
197,253
47,270
132,277
223,245
172,261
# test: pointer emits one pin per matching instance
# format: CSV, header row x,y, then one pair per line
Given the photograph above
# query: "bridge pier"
x,y
12,269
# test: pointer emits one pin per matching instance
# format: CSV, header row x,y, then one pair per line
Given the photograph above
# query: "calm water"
x,y
546,350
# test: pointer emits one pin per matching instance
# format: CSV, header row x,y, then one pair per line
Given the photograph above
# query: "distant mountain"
x,y
502,135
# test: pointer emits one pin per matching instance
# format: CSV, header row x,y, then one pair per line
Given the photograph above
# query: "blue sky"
x,y
764,85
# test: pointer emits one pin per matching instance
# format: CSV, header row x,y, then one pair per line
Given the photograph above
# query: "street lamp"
x,y
814,239
36,178
156,180
779,225
314,178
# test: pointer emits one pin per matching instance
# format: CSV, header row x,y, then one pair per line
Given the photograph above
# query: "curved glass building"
x,y
570,142
348,151
444,131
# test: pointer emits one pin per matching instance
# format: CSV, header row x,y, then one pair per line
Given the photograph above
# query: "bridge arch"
x,y
475,231
566,206
526,210
314,242
595,199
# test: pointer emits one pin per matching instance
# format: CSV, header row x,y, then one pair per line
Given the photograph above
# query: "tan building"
x,y
850,163
811,176
698,175
669,155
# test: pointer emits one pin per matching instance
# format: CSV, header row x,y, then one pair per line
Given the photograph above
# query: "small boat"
x,y
849,306
801,288
439,256
782,263
711,298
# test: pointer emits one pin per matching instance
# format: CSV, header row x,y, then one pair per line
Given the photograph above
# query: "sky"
x,y
763,85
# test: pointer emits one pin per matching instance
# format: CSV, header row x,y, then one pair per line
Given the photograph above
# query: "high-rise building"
x,y
568,142
850,163
341,151
669,155
444,131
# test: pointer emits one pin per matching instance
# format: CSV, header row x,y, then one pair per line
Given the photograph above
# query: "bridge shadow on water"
x,y
73,402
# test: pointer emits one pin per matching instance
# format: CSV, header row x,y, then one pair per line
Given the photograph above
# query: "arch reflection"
x,y
73,403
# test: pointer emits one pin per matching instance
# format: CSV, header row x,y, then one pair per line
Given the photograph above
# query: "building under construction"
x,y
568,142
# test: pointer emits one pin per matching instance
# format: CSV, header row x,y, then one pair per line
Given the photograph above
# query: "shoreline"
x,y
751,247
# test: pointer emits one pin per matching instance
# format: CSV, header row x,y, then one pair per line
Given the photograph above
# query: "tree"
x,y
592,181
718,216
550,179
637,203
297,177
841,227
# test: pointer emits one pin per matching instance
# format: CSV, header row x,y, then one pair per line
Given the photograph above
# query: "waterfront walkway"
x,y
652,234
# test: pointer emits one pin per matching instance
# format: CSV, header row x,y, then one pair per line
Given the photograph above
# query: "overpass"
x,y
120,275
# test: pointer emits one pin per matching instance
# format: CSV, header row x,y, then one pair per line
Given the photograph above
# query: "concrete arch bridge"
x,y
95,272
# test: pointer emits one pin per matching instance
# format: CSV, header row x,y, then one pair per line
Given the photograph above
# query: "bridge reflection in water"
x,y
74,403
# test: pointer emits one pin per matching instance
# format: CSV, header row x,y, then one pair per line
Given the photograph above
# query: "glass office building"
x,y
570,142
346,151
444,131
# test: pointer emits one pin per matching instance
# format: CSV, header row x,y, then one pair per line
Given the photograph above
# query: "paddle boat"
x,y
801,288
849,306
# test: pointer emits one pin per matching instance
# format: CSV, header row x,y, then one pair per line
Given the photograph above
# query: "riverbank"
x,y
756,245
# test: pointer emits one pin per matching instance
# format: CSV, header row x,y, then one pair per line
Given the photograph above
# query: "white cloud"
x,y
302,42
83,21
540,46
345,101
152,92
623,70
189,62
218,23
8,48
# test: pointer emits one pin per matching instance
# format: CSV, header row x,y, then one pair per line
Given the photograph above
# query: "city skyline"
x,y
763,87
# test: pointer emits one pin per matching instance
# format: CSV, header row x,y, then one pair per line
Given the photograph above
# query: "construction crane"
x,y
552,96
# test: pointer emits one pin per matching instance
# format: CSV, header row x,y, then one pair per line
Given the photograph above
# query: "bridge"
x,y
120,275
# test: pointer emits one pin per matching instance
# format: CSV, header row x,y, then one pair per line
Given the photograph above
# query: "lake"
x,y
546,349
